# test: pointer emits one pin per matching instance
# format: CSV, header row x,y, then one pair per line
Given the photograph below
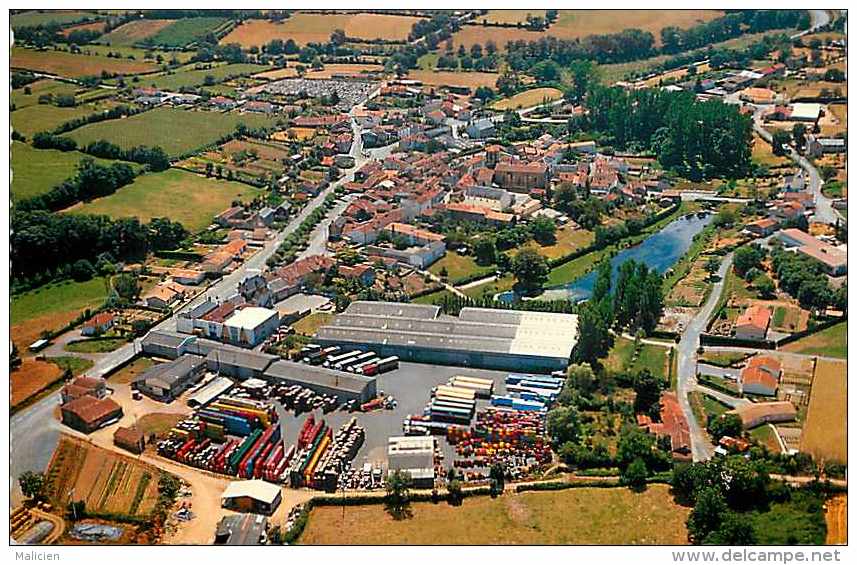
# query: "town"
x,y
402,276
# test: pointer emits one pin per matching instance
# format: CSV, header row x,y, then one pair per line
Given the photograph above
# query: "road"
x,y
700,444
33,436
817,18
824,210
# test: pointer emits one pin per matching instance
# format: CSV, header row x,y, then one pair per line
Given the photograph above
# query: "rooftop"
x,y
255,489
251,317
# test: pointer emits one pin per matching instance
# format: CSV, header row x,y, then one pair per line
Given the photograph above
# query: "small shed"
x,y
252,496
130,439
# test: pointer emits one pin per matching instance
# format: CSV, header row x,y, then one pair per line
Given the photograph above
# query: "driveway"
x,y
715,371
700,444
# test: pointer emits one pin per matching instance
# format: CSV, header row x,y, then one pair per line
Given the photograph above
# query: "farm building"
x,y
252,496
346,386
241,529
753,323
478,337
87,413
84,386
761,376
756,414
130,438
98,324
166,345
166,381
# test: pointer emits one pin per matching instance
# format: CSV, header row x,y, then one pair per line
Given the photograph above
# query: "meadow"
x,y
197,77
38,17
528,98
20,99
184,197
45,117
37,171
470,79
829,342
133,32
181,33
584,516
176,131
75,66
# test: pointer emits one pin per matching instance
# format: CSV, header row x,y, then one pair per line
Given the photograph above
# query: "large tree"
x,y
531,270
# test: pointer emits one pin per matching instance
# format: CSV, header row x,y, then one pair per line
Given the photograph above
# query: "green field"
x,y
45,117
830,342
185,197
176,131
651,357
586,516
184,31
138,53
459,267
191,78
57,298
44,17
46,86
433,297
36,171
95,345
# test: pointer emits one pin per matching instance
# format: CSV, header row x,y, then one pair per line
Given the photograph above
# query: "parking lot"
x,y
411,386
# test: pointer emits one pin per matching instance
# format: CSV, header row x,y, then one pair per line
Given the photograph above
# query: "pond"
x,y
659,251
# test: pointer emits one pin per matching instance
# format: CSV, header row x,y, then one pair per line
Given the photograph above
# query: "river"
x,y
659,251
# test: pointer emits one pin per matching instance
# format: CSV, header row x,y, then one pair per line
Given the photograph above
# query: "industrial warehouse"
x,y
478,337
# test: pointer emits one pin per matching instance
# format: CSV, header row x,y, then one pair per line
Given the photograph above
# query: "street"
x,y
700,444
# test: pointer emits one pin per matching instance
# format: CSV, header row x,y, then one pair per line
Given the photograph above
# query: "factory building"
x,y
167,381
250,326
166,345
479,337
346,386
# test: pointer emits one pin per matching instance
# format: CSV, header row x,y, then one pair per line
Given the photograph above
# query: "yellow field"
x,y
825,432
764,155
450,78
575,24
528,99
309,28
584,516
134,31
509,16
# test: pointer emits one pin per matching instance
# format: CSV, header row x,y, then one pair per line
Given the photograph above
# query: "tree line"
x,y
91,181
44,246
155,157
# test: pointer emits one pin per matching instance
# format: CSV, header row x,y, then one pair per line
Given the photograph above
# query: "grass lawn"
x,y
798,521
308,325
767,436
190,199
651,357
37,171
77,365
459,267
491,288
830,342
158,423
196,77
723,358
176,131
95,345
590,516
432,298
568,240
71,65
31,120
528,98
55,298
575,268
127,373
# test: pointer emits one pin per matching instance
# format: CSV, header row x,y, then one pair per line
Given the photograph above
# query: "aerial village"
x,y
420,292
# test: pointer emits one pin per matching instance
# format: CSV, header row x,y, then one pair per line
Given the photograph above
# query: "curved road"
x,y
699,442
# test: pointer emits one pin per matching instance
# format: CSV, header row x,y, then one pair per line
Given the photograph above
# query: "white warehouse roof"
x,y
250,318
256,489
